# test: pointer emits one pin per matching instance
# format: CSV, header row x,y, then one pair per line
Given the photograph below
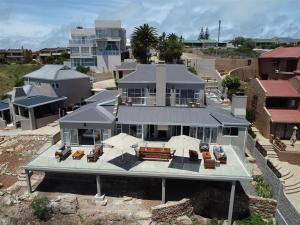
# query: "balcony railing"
x,y
108,52
170,101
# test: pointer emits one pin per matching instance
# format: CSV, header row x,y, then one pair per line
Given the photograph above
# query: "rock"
x,y
103,203
54,206
127,198
68,205
144,222
1,185
184,220
142,215
1,194
10,150
7,200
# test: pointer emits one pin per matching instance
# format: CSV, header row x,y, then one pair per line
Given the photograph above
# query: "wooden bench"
x,y
155,153
209,163
94,155
63,153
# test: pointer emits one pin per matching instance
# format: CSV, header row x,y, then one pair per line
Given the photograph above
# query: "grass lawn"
x,y
11,75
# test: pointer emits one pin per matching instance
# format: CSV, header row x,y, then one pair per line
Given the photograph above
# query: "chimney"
x,y
161,77
238,105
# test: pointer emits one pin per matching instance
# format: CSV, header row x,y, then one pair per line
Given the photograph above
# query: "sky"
x,y
36,24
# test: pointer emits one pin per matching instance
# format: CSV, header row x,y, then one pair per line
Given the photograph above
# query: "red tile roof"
x,y
284,115
291,52
279,88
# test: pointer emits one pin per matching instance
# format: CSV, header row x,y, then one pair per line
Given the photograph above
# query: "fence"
x,y
286,214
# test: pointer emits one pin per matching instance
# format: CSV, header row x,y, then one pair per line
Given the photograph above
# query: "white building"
x,y
99,48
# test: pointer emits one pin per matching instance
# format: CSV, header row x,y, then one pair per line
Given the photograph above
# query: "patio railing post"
x,y
163,191
231,202
98,186
27,173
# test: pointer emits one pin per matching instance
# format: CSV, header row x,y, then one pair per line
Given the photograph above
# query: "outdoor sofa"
x,y
63,152
219,154
94,154
156,153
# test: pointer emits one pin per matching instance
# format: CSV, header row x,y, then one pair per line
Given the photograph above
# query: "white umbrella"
x,y
122,141
183,142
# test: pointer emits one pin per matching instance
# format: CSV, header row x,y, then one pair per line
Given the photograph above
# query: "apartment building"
x,y
277,106
280,63
99,47
156,102
45,96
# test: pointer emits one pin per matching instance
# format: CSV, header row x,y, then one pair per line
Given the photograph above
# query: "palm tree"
x,y
142,39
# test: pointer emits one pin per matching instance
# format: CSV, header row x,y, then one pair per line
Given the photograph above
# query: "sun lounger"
x,y
94,155
63,153
220,154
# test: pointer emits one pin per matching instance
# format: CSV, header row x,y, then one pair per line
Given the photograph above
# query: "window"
x,y
182,96
119,129
85,50
152,91
230,131
137,95
74,50
55,85
105,134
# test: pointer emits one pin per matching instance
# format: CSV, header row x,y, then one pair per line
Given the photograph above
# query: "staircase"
x,y
270,151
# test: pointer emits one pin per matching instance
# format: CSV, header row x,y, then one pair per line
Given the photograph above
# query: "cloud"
x,y
46,23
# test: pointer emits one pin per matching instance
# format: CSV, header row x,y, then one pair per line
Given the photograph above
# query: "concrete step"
x,y
289,176
284,172
292,191
292,188
291,183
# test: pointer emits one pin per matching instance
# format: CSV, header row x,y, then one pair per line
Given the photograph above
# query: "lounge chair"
x,y
94,154
220,154
204,147
63,153
193,155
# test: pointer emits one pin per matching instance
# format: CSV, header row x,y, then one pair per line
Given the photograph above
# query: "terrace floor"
x,y
123,162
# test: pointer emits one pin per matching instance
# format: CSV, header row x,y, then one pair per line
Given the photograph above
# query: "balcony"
x,y
108,52
170,101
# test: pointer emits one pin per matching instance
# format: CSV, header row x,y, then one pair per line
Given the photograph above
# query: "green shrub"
x,y
40,208
192,70
262,189
215,221
254,219
250,115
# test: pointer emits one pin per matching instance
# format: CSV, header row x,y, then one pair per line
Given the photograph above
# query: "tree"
x,y
170,48
201,35
82,69
238,41
143,39
231,82
249,43
206,35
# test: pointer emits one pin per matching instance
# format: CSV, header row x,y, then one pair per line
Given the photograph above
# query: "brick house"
x,y
280,63
277,106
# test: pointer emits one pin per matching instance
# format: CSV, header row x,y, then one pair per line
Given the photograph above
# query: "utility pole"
x,y
219,31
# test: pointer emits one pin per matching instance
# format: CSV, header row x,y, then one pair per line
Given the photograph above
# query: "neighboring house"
x,y
156,102
18,55
280,63
277,106
99,48
45,53
5,116
202,43
46,95
124,69
3,55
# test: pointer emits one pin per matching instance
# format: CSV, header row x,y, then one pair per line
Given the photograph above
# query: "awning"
x,y
34,101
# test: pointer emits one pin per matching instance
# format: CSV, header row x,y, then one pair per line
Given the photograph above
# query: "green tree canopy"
x,y
82,69
170,48
231,82
143,39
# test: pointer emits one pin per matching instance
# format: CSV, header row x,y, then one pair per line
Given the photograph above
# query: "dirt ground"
x,y
14,151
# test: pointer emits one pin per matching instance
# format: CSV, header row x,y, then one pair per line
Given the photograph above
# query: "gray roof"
x,y
166,116
103,96
226,118
175,73
127,66
4,105
33,90
35,101
91,113
55,72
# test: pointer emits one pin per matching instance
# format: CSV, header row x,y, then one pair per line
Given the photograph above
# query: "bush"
x,y
82,69
215,221
40,208
254,219
231,82
192,70
250,115
262,189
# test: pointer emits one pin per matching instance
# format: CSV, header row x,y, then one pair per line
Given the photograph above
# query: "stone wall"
x,y
262,206
172,210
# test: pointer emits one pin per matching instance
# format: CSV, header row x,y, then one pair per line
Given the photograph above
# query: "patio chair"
x,y
193,155
94,154
204,147
63,153
220,154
